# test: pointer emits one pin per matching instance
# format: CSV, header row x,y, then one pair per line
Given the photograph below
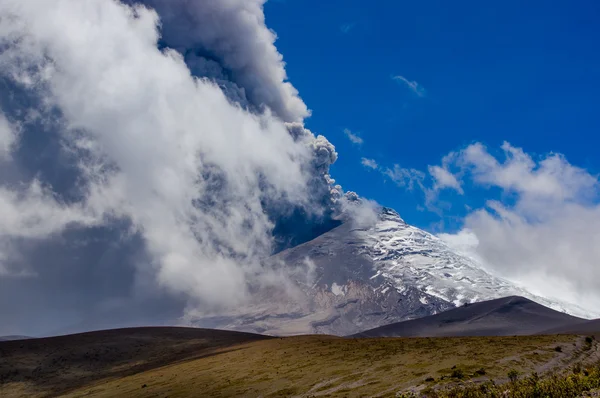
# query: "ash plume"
x,y
229,41
152,155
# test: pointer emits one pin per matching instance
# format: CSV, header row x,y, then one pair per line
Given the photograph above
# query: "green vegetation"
x,y
513,376
556,385
458,374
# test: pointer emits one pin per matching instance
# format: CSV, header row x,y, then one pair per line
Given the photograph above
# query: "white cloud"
x,y
408,178
444,179
354,138
413,179
542,231
34,213
7,136
163,149
413,86
552,178
545,236
370,163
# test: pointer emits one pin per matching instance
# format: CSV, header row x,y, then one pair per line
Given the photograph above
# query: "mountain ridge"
x,y
507,316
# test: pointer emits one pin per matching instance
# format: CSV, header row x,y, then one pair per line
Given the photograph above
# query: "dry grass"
x,y
51,366
328,366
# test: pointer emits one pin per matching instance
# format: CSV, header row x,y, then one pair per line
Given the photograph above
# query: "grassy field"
x,y
312,366
329,366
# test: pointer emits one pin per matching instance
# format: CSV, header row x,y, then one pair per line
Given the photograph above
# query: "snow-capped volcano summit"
x,y
363,277
408,256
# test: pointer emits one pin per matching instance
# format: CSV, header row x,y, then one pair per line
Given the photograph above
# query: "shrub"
x,y
534,378
558,385
457,374
513,375
589,339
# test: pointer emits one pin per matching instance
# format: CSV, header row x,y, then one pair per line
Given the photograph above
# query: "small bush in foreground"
x,y
457,374
513,376
589,339
480,372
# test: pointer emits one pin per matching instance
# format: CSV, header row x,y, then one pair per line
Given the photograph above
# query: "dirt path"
x,y
583,353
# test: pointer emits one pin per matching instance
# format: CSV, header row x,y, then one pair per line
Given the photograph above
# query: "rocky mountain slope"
x,y
587,327
355,278
507,316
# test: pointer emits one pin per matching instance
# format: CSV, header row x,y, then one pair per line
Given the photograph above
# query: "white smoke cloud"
x,y
363,213
154,145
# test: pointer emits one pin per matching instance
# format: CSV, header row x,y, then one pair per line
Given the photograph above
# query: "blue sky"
x,y
523,72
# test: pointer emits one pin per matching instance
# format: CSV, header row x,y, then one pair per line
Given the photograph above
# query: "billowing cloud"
x,y
544,230
362,212
353,137
369,163
145,168
413,86
552,178
229,40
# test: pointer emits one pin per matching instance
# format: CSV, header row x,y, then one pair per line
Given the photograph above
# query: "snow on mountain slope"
x,y
355,278
409,256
